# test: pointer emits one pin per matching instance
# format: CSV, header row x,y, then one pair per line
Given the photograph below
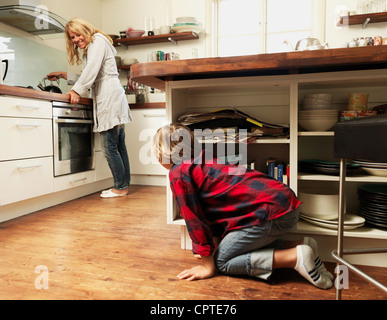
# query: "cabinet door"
x,y
25,138
26,108
139,134
24,179
102,170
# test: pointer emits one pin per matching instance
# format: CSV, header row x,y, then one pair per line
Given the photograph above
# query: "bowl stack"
x,y
317,113
187,24
318,101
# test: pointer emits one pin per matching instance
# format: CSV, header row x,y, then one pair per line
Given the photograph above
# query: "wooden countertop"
x,y
38,94
49,96
154,74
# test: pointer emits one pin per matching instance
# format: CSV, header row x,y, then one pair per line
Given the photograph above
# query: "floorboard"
x,y
122,249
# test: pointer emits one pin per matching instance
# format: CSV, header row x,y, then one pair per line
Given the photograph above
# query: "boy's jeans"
x,y
249,251
114,148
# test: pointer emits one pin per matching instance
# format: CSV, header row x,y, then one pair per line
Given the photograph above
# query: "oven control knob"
x,y
68,111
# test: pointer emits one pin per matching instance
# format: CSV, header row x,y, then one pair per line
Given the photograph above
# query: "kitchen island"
x,y
156,74
271,87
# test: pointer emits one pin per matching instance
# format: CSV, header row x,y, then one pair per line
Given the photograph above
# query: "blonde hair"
x,y
80,26
174,143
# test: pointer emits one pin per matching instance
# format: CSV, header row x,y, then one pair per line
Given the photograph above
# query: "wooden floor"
x,y
122,248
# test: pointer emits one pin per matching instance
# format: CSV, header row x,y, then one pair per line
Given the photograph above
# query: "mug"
x,y
358,101
377,41
165,29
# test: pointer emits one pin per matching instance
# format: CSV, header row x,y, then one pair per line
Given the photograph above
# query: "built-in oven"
x,y
73,138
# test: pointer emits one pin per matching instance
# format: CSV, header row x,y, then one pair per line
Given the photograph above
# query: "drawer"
x,y
26,108
25,138
25,179
74,180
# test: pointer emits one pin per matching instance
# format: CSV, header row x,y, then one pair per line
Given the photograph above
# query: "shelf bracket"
x,y
365,23
172,40
123,46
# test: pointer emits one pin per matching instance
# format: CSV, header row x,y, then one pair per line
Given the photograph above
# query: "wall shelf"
x,y
171,37
124,68
363,19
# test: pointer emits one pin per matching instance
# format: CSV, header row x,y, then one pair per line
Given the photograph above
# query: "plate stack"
x,y
326,167
351,222
373,204
373,168
187,24
321,207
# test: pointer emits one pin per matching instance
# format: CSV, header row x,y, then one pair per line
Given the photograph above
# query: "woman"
x,y
111,110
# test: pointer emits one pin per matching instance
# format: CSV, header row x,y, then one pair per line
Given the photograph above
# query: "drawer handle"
x,y
78,180
30,167
28,125
28,107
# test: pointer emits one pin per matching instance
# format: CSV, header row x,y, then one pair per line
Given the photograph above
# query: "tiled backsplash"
x,y
30,61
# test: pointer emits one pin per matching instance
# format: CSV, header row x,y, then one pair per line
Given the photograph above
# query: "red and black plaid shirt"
x,y
213,200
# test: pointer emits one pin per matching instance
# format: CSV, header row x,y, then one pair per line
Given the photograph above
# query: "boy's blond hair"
x,y
80,26
174,143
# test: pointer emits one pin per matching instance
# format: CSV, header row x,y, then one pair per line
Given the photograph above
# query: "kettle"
x,y
50,88
307,44
2,78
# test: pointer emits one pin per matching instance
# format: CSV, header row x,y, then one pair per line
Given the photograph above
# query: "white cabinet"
x,y
102,170
276,99
139,134
26,162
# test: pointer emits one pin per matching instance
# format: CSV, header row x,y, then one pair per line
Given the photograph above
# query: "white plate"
x,y
370,164
195,29
376,172
351,222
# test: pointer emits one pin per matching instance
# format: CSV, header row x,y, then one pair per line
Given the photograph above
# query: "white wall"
x,y
89,10
118,15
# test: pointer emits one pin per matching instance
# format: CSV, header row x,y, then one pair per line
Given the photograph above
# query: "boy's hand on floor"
x,y
204,271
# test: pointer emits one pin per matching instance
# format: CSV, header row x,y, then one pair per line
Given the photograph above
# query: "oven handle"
x,y
72,121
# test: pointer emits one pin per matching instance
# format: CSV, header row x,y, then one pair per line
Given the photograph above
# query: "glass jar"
x,y
140,95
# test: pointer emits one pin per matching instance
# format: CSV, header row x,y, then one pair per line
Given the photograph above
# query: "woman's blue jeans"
x,y
114,148
249,251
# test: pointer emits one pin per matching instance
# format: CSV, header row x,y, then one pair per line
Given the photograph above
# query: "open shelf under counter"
x,y
316,133
357,178
304,227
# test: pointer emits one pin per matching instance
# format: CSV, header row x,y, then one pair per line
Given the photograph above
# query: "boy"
x,y
246,209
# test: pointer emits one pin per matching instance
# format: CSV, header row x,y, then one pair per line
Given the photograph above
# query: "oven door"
x,y
73,146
